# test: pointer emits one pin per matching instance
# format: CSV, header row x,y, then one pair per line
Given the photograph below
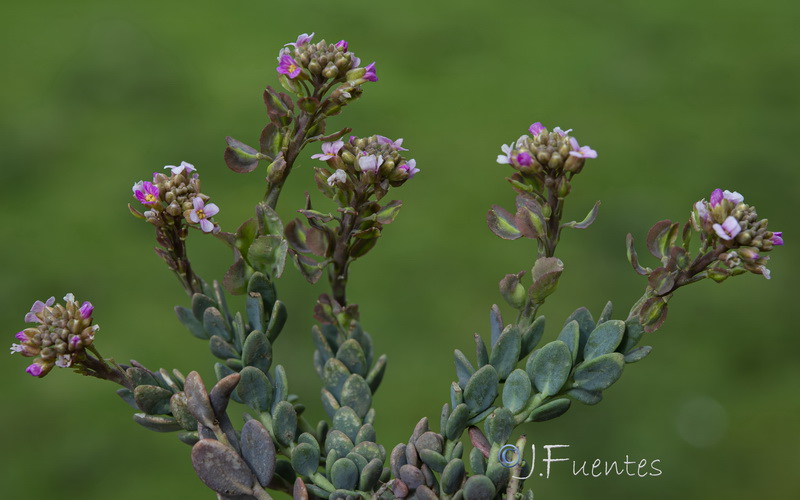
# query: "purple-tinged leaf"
x,y
221,468
653,313
296,234
315,215
240,157
587,221
308,267
661,281
388,212
633,258
502,224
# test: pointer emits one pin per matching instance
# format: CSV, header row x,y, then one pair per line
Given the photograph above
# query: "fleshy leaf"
x,y
502,223
599,373
551,367
481,389
587,221
240,157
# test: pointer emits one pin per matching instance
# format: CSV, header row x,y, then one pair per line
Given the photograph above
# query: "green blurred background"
x,y
677,97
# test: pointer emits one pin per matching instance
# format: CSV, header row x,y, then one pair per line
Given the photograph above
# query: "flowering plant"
x,y
512,381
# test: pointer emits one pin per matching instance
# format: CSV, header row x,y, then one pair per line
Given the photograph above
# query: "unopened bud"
x,y
330,71
556,161
543,157
563,187
513,291
355,74
574,164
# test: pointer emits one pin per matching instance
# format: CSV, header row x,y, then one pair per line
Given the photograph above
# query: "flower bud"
x,y
563,187
512,290
555,162
330,71
574,164
543,157
355,74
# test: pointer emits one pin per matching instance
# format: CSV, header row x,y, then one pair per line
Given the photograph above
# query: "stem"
x,y
98,368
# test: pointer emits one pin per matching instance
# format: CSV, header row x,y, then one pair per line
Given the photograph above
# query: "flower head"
x,y
183,167
581,151
61,334
146,192
201,212
329,150
288,66
370,75
728,229
397,145
370,163
301,40
537,128
338,177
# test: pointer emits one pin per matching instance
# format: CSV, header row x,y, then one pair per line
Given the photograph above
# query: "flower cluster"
x,y
361,162
176,195
544,151
323,61
59,337
727,221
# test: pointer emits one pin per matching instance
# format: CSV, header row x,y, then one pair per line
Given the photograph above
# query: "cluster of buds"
x,y
175,195
545,163
59,337
727,221
544,155
322,63
364,166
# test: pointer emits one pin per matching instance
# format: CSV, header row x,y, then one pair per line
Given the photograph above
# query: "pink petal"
x,y
211,210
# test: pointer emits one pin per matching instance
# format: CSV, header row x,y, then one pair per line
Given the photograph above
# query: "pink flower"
x,y
525,159
202,212
329,150
410,167
562,133
397,145
183,167
537,128
36,308
39,368
370,163
716,198
729,228
301,40
370,75
581,151
86,310
288,66
777,238
341,44
733,197
146,192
